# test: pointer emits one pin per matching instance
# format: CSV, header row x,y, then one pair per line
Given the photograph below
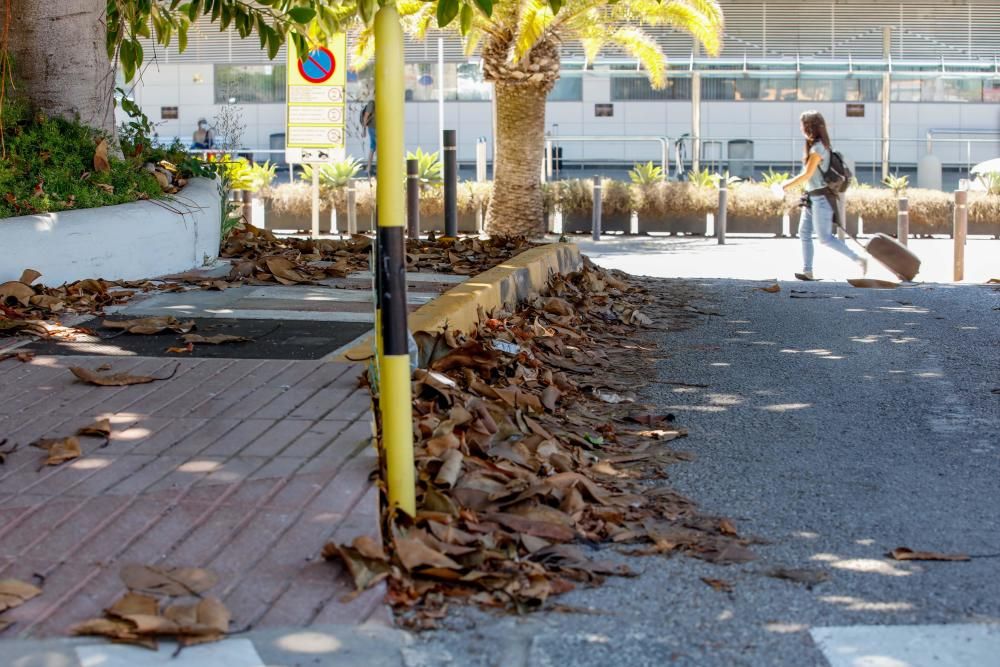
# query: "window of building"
x,y
569,86
637,87
905,90
991,90
250,84
862,90
471,84
951,90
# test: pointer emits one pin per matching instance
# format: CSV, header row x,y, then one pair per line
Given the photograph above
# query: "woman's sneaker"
x,y
805,275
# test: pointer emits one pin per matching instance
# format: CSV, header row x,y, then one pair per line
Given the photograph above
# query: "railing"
x,y
551,141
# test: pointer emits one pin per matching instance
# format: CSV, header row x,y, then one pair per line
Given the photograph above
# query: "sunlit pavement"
x,y
764,258
837,424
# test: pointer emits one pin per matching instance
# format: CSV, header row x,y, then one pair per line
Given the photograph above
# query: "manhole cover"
x,y
269,339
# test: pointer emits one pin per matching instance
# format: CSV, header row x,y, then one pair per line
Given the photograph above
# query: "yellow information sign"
x,y
315,102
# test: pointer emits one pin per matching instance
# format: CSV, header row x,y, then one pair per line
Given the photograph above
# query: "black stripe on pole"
x,y
450,141
377,262
392,289
413,198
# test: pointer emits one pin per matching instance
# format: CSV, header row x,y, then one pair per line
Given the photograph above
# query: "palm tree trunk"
x,y
521,89
60,60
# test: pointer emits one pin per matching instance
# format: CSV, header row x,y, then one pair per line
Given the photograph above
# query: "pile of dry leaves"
x,y
162,603
532,453
14,593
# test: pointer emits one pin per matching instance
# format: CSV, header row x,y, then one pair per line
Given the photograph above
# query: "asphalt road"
x,y
836,427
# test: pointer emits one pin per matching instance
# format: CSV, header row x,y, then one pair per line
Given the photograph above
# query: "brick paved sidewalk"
x,y
245,467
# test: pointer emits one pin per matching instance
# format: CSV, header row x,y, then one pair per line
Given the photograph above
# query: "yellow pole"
x,y
395,401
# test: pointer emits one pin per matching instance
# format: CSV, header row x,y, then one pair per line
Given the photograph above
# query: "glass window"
x,y
820,90
779,90
249,84
863,90
421,81
991,90
568,88
951,90
471,85
637,87
907,90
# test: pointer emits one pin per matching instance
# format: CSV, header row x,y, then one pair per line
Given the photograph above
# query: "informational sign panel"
x,y
315,112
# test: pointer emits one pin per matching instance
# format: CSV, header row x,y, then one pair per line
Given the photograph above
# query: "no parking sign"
x,y
315,112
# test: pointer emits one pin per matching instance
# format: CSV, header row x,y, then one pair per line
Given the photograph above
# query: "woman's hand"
x,y
778,189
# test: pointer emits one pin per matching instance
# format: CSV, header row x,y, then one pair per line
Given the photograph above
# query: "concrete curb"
x,y
503,285
123,242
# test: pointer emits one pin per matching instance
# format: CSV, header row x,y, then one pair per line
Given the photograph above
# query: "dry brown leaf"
x,y
905,553
14,592
134,603
285,271
872,283
217,339
116,379
719,584
59,450
23,357
413,553
166,580
150,325
365,570
101,163
29,276
187,349
116,629
809,577
99,429
16,291
451,468
773,289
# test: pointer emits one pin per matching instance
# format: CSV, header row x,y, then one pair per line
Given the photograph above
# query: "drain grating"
x,y
269,339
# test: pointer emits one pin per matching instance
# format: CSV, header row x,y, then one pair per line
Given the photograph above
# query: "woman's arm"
x,y
812,164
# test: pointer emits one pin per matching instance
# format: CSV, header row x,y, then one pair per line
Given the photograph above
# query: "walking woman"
x,y
818,203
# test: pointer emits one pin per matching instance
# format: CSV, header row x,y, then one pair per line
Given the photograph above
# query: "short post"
x,y
413,198
450,183
315,201
548,161
960,226
720,219
903,220
352,208
480,177
596,220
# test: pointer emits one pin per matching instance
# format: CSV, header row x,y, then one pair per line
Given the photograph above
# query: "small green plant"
x,y
261,176
991,182
645,174
858,185
702,178
730,180
772,177
335,175
428,167
897,184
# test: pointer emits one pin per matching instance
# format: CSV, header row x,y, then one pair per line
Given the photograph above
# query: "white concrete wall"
x,y
125,242
772,125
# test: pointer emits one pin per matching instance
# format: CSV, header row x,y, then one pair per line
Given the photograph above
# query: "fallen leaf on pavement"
x,y
29,276
150,325
134,603
167,581
773,289
719,584
187,349
809,577
59,450
872,282
23,357
14,592
905,553
99,429
117,379
217,339
6,451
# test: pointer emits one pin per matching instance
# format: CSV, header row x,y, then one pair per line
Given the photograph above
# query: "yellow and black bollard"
x,y
395,403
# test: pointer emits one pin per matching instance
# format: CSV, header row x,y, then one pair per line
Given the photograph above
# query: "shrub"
x,y
293,199
872,203
984,208
930,210
751,200
898,184
577,196
770,177
686,198
474,196
646,174
428,167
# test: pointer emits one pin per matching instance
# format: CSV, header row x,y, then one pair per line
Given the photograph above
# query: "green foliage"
x,y
991,182
50,167
772,177
335,175
644,174
897,184
702,178
260,176
428,167
731,181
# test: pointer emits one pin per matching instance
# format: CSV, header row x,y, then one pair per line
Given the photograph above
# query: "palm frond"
x,y
641,46
364,48
533,20
702,18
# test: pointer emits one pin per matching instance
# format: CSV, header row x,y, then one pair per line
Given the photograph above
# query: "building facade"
x,y
936,63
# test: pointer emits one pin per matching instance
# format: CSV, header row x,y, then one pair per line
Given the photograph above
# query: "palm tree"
x,y
520,54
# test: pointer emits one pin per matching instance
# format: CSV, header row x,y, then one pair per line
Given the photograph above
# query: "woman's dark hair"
x,y
815,131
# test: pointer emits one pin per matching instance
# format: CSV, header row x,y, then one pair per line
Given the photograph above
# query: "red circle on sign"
x,y
318,65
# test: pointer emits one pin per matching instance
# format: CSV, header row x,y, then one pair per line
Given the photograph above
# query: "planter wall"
x,y
745,224
466,223
582,222
692,223
125,242
274,220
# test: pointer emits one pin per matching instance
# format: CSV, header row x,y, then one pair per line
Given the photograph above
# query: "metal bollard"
x,y
450,183
596,220
352,208
720,219
481,159
959,228
413,198
903,220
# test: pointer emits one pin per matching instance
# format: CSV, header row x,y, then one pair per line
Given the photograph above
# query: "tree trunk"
x,y
60,60
521,89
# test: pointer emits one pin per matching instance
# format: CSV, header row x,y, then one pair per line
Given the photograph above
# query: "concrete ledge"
x,y
124,242
503,285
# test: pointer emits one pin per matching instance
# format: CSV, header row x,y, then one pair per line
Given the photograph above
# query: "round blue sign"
x,y
318,65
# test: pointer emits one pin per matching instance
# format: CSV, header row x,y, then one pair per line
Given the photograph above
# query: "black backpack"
x,y
838,176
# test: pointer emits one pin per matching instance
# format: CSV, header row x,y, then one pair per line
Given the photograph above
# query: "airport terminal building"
x,y
895,80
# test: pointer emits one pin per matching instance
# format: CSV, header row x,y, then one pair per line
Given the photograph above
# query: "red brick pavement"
x,y
245,467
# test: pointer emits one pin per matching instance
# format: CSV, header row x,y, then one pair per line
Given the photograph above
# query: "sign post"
x,y
315,114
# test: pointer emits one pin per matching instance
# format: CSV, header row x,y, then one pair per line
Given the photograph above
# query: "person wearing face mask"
x,y
203,137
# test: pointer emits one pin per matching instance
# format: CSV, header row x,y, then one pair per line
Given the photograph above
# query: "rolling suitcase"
x,y
894,256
